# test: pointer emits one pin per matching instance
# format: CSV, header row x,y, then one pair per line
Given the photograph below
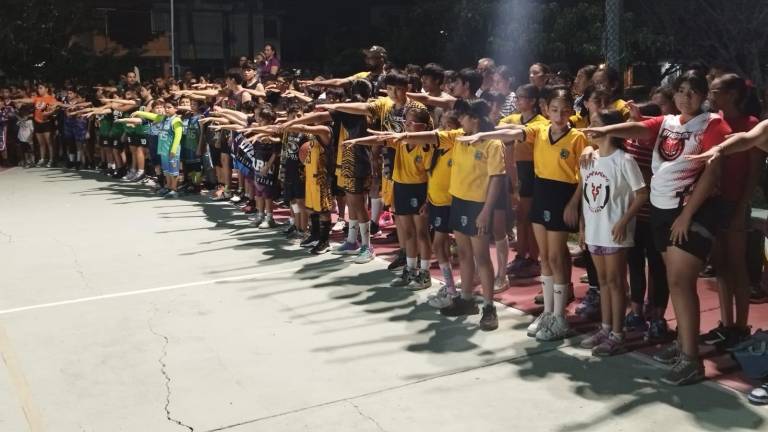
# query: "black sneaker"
x,y
685,371
375,228
460,307
398,263
757,295
320,248
734,336
715,336
489,320
309,242
290,230
708,272
658,331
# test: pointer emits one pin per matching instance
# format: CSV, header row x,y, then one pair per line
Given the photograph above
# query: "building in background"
x,y
210,34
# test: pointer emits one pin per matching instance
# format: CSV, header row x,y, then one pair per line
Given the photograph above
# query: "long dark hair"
x,y
479,109
609,117
530,91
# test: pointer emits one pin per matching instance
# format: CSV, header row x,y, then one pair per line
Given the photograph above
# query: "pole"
x,y
173,44
612,32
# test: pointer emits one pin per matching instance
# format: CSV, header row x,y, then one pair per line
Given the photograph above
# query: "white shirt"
x,y
26,128
608,190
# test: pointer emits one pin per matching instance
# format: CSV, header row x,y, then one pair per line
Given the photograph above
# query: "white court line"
x,y
144,291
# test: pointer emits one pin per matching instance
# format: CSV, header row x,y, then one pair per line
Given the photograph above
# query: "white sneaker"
x,y
420,280
130,176
540,322
257,220
442,299
500,285
338,226
346,248
557,329
40,163
267,223
365,255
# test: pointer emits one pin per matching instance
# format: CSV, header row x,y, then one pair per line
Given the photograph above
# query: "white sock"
x,y
375,209
71,157
447,271
560,295
352,233
425,264
606,327
548,286
269,215
139,173
365,233
502,255
294,213
410,263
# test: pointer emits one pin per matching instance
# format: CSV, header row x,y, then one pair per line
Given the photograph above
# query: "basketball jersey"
x,y
673,175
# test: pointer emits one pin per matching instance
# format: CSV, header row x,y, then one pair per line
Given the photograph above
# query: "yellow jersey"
x,y
439,183
555,160
473,165
621,106
523,153
391,118
411,165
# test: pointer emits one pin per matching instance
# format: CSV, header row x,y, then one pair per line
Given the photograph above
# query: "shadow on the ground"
x,y
625,385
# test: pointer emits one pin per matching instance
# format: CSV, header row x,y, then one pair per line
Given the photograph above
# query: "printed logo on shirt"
x,y
564,154
597,191
478,155
450,163
418,159
414,202
672,144
464,221
547,216
439,221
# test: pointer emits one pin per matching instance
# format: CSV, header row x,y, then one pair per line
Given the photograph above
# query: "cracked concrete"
x,y
357,408
325,348
78,268
167,378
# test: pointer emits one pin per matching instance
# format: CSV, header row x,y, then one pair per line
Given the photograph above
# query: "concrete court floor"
x,y
120,311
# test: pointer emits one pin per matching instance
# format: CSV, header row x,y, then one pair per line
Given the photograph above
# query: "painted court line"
x,y
21,389
144,291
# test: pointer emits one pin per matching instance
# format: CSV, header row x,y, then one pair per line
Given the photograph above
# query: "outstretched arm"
x,y
357,108
629,130
445,101
505,135
312,118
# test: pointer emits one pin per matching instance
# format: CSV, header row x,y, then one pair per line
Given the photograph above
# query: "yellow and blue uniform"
x,y
410,177
556,164
472,167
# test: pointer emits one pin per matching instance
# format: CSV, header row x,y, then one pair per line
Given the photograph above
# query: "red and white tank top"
x,y
673,175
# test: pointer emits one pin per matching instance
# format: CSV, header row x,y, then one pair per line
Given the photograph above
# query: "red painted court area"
x,y
719,367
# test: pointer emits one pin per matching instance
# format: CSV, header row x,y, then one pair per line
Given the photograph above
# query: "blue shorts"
x,y
169,165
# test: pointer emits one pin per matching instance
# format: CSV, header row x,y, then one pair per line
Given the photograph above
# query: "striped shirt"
x,y
642,152
510,105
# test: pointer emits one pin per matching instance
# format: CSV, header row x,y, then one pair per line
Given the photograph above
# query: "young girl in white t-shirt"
x,y
613,192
